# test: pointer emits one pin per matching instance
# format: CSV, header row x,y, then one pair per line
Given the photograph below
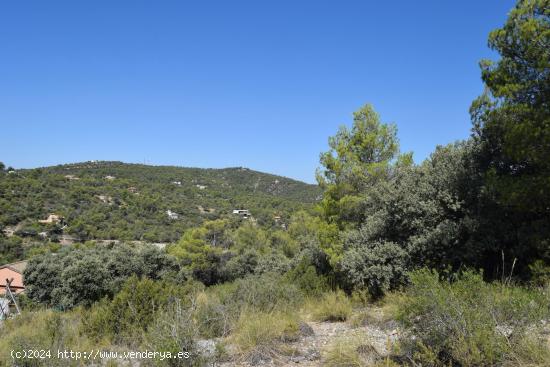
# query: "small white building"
x,y
172,215
177,183
52,219
244,213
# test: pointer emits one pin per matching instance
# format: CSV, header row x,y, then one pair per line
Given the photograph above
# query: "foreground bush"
x,y
43,330
126,317
473,323
334,306
257,335
174,331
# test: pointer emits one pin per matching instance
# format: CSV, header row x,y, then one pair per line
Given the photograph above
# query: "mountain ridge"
x,y
132,201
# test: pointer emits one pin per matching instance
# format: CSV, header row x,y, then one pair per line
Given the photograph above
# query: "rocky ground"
x,y
374,338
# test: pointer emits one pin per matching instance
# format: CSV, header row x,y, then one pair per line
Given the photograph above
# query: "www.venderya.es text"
x,y
95,354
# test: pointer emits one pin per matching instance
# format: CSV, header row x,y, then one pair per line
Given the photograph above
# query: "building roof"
x,y
12,271
18,267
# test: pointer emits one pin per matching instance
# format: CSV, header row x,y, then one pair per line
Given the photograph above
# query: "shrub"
x,y
174,331
540,273
374,265
473,323
334,306
266,292
349,352
257,333
43,330
82,276
213,318
305,277
133,309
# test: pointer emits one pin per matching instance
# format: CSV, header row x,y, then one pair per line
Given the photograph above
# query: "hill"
x,y
115,200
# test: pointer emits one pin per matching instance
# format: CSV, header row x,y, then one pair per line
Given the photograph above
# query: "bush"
x,y
305,277
43,330
82,276
540,273
174,331
266,292
212,317
334,306
473,323
374,265
257,334
133,309
349,352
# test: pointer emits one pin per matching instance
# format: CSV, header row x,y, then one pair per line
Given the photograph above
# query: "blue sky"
x,y
260,84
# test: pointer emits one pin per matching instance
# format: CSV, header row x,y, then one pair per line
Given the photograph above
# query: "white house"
x,y
172,215
245,213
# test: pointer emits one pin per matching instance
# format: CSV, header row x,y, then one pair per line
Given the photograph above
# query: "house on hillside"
x,y
12,272
172,215
52,219
244,213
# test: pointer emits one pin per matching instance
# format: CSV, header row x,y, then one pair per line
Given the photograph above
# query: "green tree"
x,y
512,124
512,119
358,158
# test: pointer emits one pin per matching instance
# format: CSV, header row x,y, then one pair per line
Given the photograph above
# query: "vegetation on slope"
x,y
386,231
113,200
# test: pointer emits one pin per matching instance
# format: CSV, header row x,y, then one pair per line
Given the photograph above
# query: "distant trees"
x,y
11,249
133,206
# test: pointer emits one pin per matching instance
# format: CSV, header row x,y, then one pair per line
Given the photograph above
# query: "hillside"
x,y
115,200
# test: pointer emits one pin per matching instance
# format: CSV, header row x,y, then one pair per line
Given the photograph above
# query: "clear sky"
x,y
260,84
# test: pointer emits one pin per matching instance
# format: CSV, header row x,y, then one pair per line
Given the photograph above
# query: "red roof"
x,y
12,271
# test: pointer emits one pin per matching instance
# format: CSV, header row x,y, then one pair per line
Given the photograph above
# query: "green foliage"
x,y
133,205
357,159
473,323
265,293
376,266
333,306
512,125
81,276
174,331
540,273
11,249
43,330
305,277
318,240
126,318
257,334
348,352
420,216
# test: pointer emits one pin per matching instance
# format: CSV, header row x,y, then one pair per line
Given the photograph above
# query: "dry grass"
x,y
349,352
258,335
333,306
